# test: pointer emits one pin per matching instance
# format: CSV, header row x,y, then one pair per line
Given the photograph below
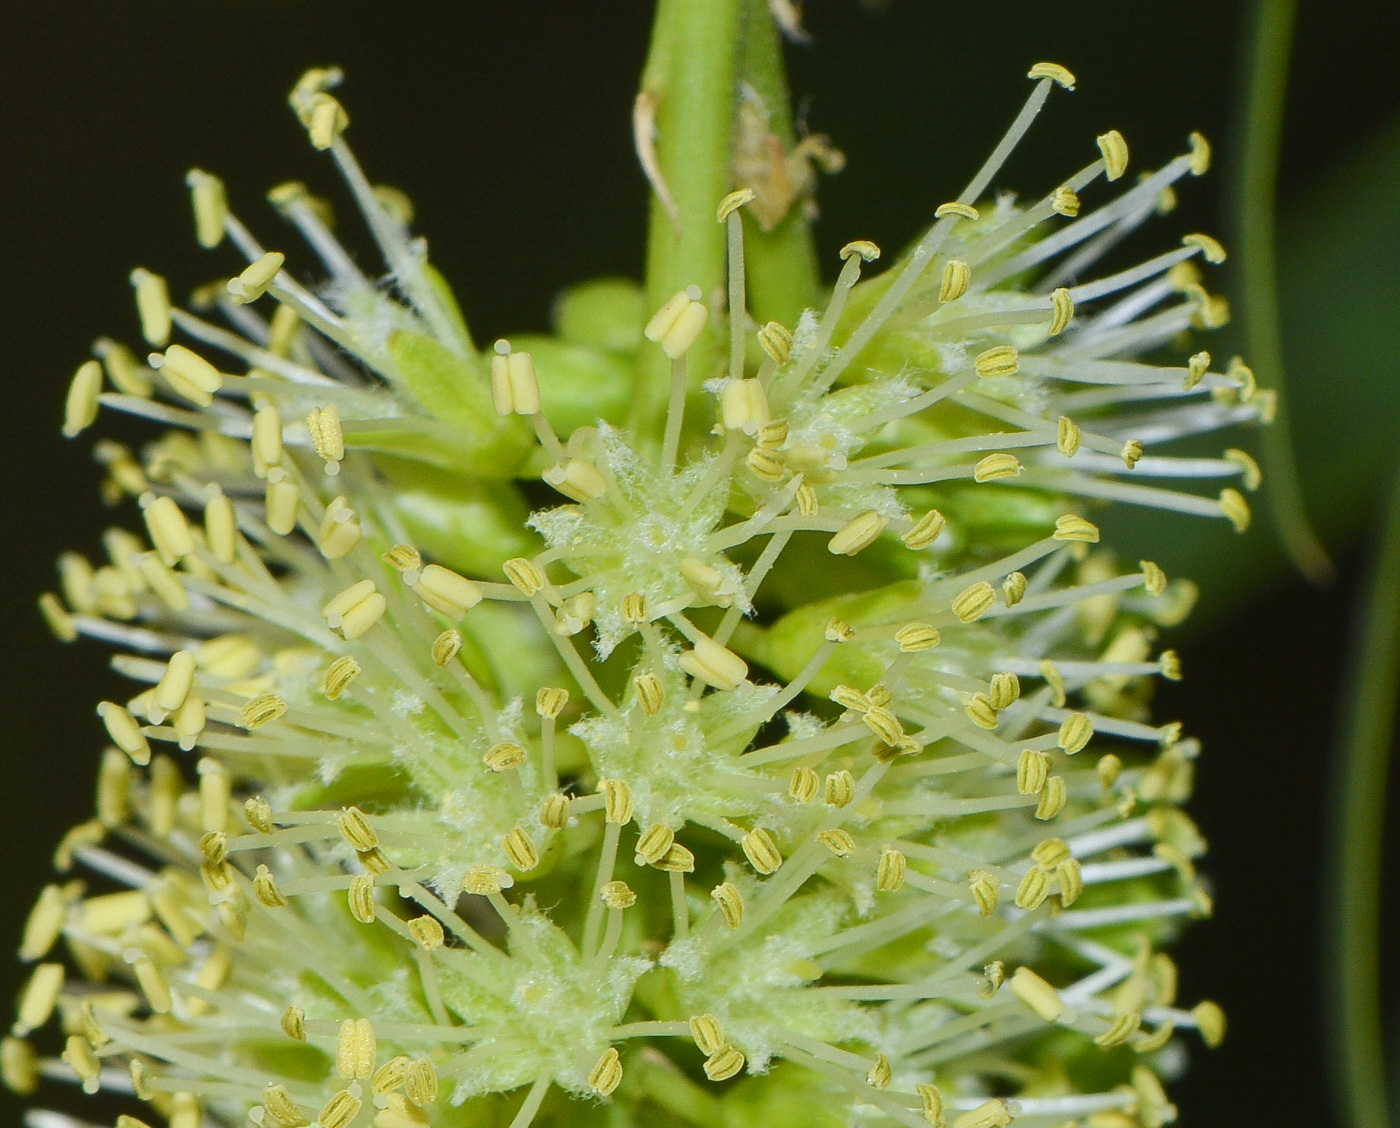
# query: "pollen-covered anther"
x,y
483,880
1072,527
1037,994
803,784
355,1049
730,903
925,530
327,437
743,406
515,389
257,276
503,756
617,801
519,850
1131,454
775,340
973,602
1065,201
1115,154
340,1110
998,465
891,870
953,283
678,324
1061,311
986,892
428,932
999,360
1054,72
1212,250
838,841
859,533
577,480
126,734
524,574
1075,732
1052,798
1234,507
1032,770
618,895
956,208
761,851
714,665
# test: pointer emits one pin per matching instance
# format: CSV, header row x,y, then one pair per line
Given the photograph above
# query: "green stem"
x,y
1368,728
700,53
1255,198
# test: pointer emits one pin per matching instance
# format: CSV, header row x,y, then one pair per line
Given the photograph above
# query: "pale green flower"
x,y
798,768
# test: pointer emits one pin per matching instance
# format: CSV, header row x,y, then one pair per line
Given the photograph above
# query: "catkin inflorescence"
x,y
797,753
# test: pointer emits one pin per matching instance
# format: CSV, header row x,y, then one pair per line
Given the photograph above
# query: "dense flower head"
x,y
498,759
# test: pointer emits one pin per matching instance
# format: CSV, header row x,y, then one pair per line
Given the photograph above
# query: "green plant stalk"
x,y
1255,199
1363,750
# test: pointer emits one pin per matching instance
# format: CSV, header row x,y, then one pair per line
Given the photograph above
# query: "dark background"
x,y
508,124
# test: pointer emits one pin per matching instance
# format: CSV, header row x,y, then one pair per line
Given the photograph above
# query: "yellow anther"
x,y
650,692
1064,201
325,120
985,891
354,610
1037,994
891,871
1196,368
1054,72
421,1082
37,1000
78,1054
708,581
169,530
973,602
360,898
1115,154
859,533
503,756
19,1068
261,710
880,1074
152,305
879,695
355,828
1052,798
998,465
1075,732
607,1074
45,922
281,500
838,841
339,674
1062,311
676,860
925,531
776,341
1005,689
724,1063
618,895
773,434
806,499
678,324
154,985
447,592
394,1072
957,208
706,1033
653,843
355,1049
520,850
1234,507
838,631
765,464
1032,770
294,1023
979,711
867,250
761,851
1119,1031
714,665
577,480
883,724
1072,527
267,439
265,889
406,560
1239,371
281,1109
323,424
340,1110
175,684
803,785
733,202
1013,588
1131,454
1199,149
80,408
617,801
125,732
221,527
932,1101
515,389
1210,1021
743,406
1251,475
524,574
1050,852
840,788
484,880
57,617
554,811
1211,249
210,204
257,276
1170,665
954,282
282,333
127,373
1034,888
999,360
730,902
